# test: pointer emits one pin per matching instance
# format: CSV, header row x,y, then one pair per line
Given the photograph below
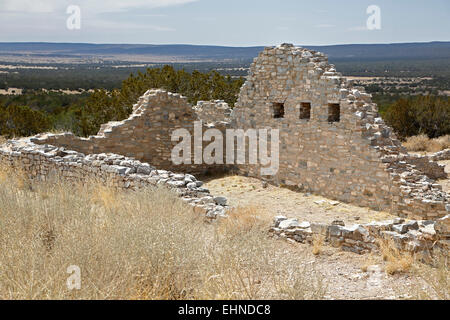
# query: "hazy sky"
x,y
225,22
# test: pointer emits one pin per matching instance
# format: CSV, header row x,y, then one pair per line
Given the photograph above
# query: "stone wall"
x,y
43,161
426,164
213,111
146,134
332,140
413,236
441,155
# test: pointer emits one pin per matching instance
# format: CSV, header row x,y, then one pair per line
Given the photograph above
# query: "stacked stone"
x,y
213,111
412,236
353,158
44,161
441,155
339,147
146,134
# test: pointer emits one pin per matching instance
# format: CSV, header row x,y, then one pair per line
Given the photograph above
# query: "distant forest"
x,y
36,111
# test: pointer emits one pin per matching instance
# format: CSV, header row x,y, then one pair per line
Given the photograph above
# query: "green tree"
x,y
22,121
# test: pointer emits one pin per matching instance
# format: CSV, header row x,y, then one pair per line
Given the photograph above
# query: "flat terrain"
x,y
347,275
245,191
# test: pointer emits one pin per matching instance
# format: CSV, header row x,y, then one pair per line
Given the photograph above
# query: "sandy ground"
x,y
344,276
245,191
342,271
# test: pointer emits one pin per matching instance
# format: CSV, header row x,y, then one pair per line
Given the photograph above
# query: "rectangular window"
x,y
305,110
334,112
278,110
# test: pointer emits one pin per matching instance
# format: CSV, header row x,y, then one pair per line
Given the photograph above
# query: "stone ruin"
x,y
332,141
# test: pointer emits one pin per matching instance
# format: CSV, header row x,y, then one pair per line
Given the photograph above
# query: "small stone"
x,y
144,169
338,223
278,219
288,224
304,225
221,201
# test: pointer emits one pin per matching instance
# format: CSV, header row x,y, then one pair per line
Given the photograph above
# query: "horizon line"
x,y
227,46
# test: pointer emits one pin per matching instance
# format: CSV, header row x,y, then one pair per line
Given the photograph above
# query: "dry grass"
x,y
317,244
136,245
397,261
423,143
2,140
437,278
368,262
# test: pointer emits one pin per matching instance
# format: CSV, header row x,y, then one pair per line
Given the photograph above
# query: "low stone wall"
x,y
43,161
431,169
413,236
441,155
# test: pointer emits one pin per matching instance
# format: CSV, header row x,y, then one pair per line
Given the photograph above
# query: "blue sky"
x,y
225,22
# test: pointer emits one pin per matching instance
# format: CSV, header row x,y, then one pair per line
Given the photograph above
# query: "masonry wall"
x,y
332,140
146,134
43,162
213,111
349,159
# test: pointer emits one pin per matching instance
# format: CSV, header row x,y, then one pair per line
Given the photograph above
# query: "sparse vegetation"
x,y
428,115
135,245
317,244
397,261
423,143
436,276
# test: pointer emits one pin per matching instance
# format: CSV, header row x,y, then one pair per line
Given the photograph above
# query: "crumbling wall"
x,y
146,134
413,236
44,161
425,164
332,140
213,111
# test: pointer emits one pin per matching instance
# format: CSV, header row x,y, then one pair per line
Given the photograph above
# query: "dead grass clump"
x,y
304,288
317,244
436,278
146,244
423,143
369,261
244,219
397,261
2,140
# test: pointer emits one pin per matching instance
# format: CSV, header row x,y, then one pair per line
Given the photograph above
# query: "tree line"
x,y
83,114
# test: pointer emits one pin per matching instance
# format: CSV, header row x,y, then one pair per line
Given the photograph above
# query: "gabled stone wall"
x,y
332,140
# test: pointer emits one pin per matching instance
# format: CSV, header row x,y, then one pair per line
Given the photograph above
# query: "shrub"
x,y
22,121
423,143
428,115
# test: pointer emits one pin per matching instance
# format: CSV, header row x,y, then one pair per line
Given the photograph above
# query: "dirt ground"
x,y
344,276
245,191
342,271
